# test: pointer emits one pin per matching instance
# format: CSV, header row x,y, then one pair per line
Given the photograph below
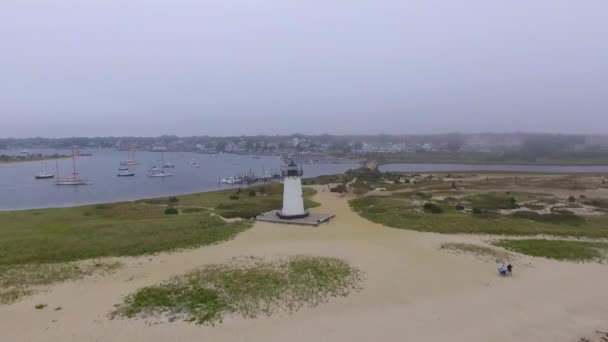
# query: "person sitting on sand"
x,y
502,270
510,269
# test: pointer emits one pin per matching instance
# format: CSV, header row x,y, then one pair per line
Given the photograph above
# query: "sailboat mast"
x,y
73,162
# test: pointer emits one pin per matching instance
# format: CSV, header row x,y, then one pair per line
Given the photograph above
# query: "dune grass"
x,y
477,250
129,228
246,286
405,212
558,249
41,243
17,281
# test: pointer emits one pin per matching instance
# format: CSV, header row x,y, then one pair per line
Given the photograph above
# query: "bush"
x,y
234,197
477,211
173,199
571,199
238,191
432,207
340,188
252,193
459,207
171,211
407,181
262,190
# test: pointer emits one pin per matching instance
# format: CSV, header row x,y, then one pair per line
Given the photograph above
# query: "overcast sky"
x,y
224,67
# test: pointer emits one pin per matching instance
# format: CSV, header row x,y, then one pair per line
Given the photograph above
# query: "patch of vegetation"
x,y
189,210
171,211
492,201
340,188
63,234
17,281
533,206
401,211
558,249
554,218
173,199
249,287
39,306
432,207
597,202
477,250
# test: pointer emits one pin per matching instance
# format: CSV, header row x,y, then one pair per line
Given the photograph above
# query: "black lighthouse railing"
x,y
292,170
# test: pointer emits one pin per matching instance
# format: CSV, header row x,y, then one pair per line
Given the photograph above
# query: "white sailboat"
x,y
160,172
74,179
131,158
44,174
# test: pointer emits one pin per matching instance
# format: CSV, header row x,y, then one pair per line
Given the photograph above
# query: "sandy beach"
x,y
412,291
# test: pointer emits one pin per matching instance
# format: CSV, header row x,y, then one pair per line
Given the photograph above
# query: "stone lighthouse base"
x,y
309,219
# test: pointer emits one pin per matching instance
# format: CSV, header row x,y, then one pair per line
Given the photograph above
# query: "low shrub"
x,y
340,188
234,197
173,199
252,193
171,211
459,207
553,218
432,207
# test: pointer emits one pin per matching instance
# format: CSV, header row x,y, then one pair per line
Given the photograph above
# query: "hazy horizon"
x,y
147,68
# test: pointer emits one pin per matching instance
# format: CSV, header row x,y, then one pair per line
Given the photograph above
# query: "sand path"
x,y
412,292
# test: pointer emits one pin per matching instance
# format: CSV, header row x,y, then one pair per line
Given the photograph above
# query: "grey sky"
x,y
189,67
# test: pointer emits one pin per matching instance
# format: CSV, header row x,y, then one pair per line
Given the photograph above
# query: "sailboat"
x,y
126,174
161,172
44,174
131,160
74,179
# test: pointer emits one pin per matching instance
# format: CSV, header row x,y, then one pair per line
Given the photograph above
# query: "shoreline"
x,y
7,162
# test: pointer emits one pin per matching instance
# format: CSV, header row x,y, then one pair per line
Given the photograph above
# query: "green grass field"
x,y
129,228
558,249
400,211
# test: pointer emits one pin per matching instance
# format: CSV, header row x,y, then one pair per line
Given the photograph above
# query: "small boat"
x,y
160,173
168,165
24,152
70,181
195,165
44,174
154,168
74,179
231,180
126,174
131,160
123,168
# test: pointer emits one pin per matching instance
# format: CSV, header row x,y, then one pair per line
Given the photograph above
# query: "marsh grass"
x,y
17,281
245,286
404,211
477,250
558,249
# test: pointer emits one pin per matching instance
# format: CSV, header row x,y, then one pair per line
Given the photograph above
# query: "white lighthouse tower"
x,y
293,202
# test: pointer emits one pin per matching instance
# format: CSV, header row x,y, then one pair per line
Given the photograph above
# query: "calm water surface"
x,y
19,189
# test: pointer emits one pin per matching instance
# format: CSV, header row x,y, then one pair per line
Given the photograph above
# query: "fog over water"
x,y
188,67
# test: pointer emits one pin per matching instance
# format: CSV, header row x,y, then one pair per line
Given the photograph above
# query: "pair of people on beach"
x,y
505,270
